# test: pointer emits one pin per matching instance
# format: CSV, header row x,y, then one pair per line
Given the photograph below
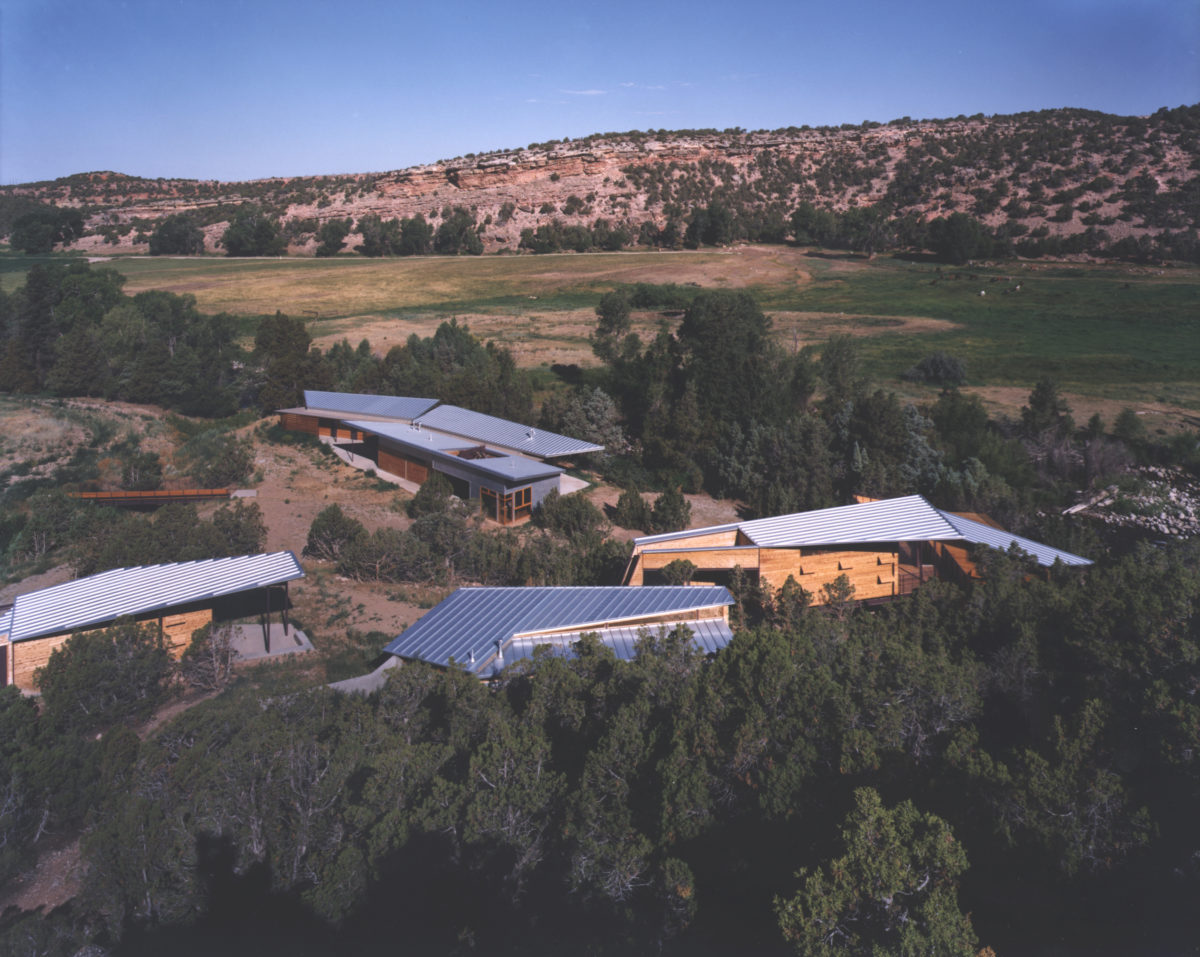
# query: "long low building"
x,y
883,548
175,598
507,487
484,629
504,466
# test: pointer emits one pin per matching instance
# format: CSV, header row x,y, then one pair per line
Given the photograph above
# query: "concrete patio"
x,y
251,644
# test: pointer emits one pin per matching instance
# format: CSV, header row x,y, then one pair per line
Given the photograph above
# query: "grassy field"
x,y
1116,334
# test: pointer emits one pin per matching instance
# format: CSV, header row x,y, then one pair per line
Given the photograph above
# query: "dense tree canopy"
x,y
177,235
73,332
39,231
253,232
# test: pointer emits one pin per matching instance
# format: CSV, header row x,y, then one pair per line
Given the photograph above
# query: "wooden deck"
x,y
152,499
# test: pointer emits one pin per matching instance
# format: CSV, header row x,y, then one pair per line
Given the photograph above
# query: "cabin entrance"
x,y
916,566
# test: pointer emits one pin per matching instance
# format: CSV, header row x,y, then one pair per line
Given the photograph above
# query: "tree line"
x,y
987,765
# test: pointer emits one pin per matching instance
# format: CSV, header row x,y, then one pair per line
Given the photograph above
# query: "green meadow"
x,y
1115,333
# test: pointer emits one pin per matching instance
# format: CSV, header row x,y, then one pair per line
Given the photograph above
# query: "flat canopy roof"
x,y
451,419
510,435
907,519
473,624
509,468
354,403
110,595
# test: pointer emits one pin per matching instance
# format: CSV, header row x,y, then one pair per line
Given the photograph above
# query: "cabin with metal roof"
x,y
484,629
323,412
884,548
502,465
176,598
504,435
507,487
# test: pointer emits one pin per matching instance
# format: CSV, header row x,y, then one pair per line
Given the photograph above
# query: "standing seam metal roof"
x,y
353,403
892,520
467,626
709,635
907,519
512,468
979,534
133,591
510,435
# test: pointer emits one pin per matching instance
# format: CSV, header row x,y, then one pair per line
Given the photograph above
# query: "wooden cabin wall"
x,y
871,570
776,564
295,422
403,466
718,558
30,655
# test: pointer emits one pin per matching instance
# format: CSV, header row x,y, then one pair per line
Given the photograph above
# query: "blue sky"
x,y
239,90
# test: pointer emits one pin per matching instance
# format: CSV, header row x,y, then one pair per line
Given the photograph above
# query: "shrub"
x,y
632,511
679,572
217,459
208,662
330,532
671,512
433,496
941,368
99,678
571,516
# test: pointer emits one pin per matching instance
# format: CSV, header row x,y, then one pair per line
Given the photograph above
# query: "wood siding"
x,y
34,653
871,569
177,629
295,422
30,655
775,564
403,466
715,559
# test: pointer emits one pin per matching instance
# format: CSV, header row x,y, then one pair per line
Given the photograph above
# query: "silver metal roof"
x,y
476,625
509,435
353,403
979,534
410,435
105,597
439,447
709,635
906,519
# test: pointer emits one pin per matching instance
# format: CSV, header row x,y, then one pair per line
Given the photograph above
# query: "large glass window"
x,y
508,508
490,502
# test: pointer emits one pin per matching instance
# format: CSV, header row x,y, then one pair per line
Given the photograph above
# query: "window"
x,y
509,508
491,504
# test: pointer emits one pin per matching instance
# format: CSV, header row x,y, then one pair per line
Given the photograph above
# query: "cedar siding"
x,y
883,548
175,626
175,599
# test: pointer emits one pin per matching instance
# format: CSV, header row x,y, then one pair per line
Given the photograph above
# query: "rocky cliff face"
x,y
1056,173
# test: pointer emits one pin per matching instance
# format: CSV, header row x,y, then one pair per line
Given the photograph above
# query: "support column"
x,y
267,622
286,602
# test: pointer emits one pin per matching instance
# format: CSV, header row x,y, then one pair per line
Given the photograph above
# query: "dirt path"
x,y
54,879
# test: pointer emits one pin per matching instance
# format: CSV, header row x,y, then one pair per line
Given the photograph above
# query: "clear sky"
x,y
211,89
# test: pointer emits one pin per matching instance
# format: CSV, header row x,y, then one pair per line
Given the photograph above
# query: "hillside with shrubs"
x,y
1064,182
